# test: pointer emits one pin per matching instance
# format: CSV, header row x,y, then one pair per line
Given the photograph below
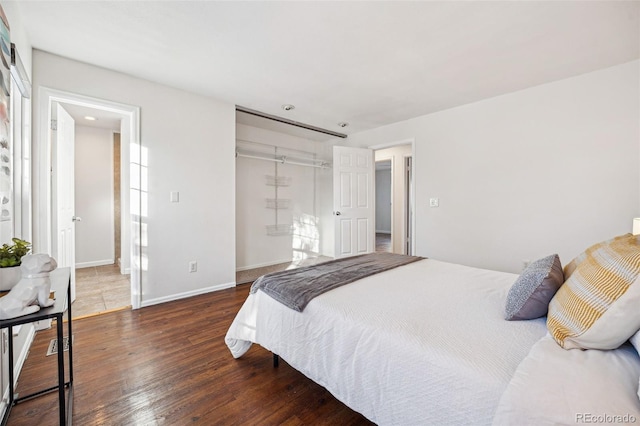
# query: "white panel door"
x,y
63,193
353,203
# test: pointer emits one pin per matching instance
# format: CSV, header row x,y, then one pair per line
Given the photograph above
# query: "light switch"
x,y
434,202
174,196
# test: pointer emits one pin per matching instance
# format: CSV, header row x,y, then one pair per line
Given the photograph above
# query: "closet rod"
x,y
292,151
290,122
283,159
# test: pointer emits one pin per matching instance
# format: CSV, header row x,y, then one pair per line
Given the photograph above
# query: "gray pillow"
x,y
530,295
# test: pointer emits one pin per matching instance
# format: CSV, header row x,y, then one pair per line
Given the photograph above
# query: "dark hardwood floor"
x,y
383,242
168,365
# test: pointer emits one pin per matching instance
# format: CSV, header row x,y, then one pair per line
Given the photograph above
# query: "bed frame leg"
x,y
276,360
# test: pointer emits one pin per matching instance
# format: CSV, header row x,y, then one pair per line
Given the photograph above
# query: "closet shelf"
x,y
278,203
283,159
278,230
278,180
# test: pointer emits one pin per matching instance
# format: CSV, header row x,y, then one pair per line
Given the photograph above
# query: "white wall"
x,y
188,141
94,196
383,201
550,169
22,339
254,248
18,34
12,228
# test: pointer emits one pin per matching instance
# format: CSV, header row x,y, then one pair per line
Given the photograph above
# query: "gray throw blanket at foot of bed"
x,y
295,288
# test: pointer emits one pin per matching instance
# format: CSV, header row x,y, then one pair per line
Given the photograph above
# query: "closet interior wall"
x,y
276,202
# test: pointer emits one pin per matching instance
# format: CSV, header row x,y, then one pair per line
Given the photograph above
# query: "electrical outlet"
x,y
193,266
434,202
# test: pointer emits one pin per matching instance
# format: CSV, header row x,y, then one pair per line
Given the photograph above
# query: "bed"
x,y
426,343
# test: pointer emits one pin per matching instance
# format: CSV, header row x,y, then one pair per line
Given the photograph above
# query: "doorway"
x,y
394,206
100,284
129,194
384,205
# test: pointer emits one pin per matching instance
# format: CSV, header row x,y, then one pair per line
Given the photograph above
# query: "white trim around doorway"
x,y
130,200
409,141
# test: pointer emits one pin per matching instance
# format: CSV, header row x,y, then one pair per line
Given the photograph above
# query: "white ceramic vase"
x,y
9,277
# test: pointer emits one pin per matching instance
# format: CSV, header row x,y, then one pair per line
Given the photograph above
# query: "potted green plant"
x,y
10,259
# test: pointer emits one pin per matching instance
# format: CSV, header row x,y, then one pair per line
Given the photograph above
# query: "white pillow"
x,y
552,386
635,341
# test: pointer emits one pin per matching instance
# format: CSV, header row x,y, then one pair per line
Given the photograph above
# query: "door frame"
x,y
375,195
409,202
130,151
409,141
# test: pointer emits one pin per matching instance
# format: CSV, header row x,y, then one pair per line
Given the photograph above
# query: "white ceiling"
x,y
103,119
368,63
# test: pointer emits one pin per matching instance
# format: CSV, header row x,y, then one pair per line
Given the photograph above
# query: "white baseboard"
x,y
186,294
22,356
20,360
262,265
42,324
3,403
94,263
123,271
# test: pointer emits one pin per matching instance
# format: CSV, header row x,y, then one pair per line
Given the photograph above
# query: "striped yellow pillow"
x,y
598,306
571,266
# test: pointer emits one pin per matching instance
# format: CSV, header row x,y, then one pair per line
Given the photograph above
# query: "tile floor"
x,y
100,289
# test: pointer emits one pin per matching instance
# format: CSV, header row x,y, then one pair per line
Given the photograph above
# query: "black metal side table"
x,y
61,285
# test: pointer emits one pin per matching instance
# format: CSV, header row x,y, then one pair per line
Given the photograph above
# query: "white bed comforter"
x,y
421,344
554,386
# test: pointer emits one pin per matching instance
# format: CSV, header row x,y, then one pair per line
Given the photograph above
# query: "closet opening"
x,y
279,170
